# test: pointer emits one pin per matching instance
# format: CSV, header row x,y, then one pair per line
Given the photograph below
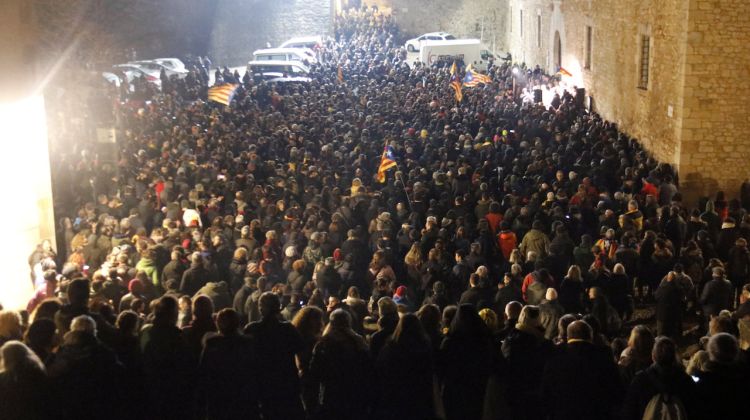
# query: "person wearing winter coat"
x,y
341,370
550,313
228,384
465,361
405,370
581,381
718,294
664,376
670,301
535,241
196,276
276,343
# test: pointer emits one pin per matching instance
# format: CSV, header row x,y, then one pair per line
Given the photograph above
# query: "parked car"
x,y
154,65
133,71
304,55
270,69
415,44
312,42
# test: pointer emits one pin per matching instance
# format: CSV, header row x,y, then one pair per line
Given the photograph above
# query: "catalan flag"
x,y
340,74
474,78
564,72
455,83
222,94
387,161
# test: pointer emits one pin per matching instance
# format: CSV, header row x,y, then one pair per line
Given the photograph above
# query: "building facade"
x,y
672,73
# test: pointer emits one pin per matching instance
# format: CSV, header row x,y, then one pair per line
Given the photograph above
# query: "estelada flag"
x,y
222,94
387,161
474,78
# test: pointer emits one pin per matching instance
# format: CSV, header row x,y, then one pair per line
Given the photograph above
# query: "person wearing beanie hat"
x,y
400,298
135,289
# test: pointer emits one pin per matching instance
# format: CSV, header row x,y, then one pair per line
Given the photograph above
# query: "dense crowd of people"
x,y
243,261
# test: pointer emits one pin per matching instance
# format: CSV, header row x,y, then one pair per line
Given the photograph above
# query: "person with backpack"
x,y
662,391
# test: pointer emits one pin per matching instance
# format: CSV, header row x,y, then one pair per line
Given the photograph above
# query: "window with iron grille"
x,y
644,63
589,40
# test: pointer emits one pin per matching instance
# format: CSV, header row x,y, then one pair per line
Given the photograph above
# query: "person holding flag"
x,y
387,161
474,78
455,83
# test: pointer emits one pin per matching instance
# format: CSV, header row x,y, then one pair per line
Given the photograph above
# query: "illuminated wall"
x,y
26,209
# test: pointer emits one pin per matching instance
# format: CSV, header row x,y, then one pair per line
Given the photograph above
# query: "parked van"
x,y
311,42
465,51
271,69
285,54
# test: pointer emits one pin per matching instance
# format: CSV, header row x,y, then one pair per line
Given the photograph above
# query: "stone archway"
x,y
557,51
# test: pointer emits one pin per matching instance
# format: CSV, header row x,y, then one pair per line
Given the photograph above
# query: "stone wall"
x,y
242,26
715,143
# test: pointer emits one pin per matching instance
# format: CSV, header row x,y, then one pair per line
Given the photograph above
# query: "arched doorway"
x,y
557,52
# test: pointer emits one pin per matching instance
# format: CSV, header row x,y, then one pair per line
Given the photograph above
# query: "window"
x,y
643,69
520,30
539,31
587,56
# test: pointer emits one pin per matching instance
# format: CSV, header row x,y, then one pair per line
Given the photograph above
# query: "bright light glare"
x,y
515,70
25,181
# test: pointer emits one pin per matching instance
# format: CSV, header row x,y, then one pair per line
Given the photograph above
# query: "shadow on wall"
x,y
695,186
241,26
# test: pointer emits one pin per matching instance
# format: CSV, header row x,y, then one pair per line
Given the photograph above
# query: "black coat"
x,y
581,382
405,377
228,379
723,391
670,380
464,367
194,278
717,295
341,368
25,396
571,296
669,302
276,343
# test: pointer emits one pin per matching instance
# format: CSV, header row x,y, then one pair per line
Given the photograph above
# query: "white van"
x,y
444,53
311,42
285,54
273,69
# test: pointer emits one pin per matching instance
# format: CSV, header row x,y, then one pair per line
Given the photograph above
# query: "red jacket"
x,y
507,242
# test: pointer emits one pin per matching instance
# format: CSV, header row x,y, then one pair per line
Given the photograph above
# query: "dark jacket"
x,y
723,391
526,353
23,394
405,377
669,302
550,313
464,367
84,372
342,370
479,297
228,379
276,343
173,271
669,380
194,278
581,382
167,370
571,295
717,295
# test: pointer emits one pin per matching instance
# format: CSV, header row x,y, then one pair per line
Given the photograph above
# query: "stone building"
x,y
672,73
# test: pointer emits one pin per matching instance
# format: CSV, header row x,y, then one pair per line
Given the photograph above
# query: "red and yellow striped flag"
x,y
387,161
222,94
564,72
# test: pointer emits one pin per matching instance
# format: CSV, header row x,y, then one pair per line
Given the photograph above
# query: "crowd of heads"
x,y
506,253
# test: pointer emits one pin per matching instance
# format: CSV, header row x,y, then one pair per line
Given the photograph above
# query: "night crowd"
x,y
243,261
